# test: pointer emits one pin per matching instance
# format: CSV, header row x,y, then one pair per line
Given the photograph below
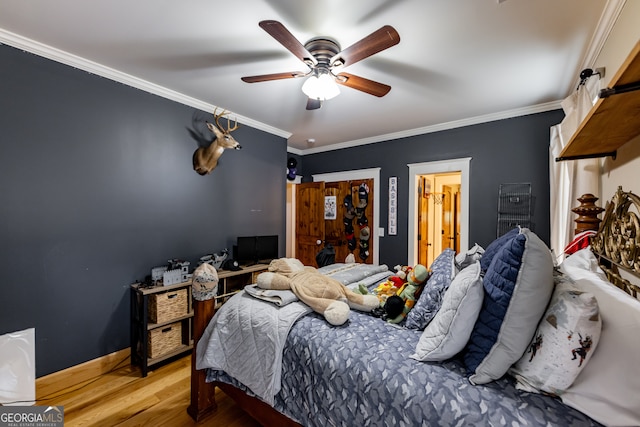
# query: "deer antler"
x,y
224,113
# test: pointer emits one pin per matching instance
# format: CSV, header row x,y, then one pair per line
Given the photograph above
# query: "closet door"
x,y
334,226
309,221
350,232
339,213
362,196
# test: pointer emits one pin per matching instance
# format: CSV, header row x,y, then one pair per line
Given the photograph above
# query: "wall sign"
x,y
393,205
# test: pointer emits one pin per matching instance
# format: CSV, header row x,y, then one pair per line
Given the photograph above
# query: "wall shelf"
x,y
613,121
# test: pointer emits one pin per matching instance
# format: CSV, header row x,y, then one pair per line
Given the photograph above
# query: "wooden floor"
x,y
123,398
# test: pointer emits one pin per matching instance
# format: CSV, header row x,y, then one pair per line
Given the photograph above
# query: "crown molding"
x,y
607,21
57,55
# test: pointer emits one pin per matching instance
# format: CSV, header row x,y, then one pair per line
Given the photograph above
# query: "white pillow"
x,y
449,331
583,260
465,259
565,340
608,389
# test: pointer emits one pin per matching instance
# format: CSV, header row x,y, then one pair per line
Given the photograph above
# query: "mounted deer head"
x,y
205,159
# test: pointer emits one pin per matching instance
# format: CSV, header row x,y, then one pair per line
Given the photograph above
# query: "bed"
x,y
369,372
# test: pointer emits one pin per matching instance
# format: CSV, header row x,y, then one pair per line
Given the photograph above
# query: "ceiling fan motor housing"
x,y
323,49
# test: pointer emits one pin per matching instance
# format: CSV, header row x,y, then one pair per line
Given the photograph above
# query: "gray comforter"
x,y
360,374
246,336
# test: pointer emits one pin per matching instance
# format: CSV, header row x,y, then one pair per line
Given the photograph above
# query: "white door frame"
x,y
373,173
415,170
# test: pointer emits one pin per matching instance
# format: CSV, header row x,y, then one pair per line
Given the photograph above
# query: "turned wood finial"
x,y
587,213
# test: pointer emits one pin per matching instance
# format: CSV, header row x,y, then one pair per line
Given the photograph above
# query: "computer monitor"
x,y
246,252
266,248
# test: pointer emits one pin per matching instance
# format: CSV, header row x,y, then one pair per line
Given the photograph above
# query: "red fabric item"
x,y
397,281
581,241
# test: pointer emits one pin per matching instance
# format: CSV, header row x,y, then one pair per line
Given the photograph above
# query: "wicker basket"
x,y
166,306
164,339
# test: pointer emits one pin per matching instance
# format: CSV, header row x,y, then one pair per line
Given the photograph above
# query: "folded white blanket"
x,y
274,296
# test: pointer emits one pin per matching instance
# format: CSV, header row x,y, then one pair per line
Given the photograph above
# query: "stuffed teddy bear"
x,y
323,294
411,290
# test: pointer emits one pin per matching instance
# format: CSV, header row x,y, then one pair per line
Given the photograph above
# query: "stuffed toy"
x,y
383,291
392,308
402,271
411,290
389,287
323,294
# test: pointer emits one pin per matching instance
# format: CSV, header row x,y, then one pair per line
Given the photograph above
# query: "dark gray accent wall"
x,y
505,151
97,188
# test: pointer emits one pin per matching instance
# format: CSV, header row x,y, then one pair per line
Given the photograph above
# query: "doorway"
x,y
459,166
438,215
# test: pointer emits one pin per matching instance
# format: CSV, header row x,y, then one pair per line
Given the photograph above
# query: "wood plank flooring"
x,y
123,398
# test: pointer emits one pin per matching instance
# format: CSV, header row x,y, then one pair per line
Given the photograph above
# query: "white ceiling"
x,y
458,61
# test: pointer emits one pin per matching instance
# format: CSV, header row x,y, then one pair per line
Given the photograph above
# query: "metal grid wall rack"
x,y
514,207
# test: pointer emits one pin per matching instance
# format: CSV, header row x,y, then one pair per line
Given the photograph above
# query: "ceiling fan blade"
x,y
375,42
288,40
313,104
275,76
365,85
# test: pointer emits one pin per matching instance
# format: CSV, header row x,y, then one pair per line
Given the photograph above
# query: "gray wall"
x,y
506,151
97,188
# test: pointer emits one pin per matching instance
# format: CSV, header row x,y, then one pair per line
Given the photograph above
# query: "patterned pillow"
x,y
451,327
605,390
566,338
517,288
430,300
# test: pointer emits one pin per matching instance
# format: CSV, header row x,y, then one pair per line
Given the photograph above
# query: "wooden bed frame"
x,y
617,244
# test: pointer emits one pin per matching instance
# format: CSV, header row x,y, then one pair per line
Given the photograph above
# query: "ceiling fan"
x,y
324,58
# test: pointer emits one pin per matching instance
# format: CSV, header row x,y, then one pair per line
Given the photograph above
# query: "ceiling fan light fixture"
x,y
321,87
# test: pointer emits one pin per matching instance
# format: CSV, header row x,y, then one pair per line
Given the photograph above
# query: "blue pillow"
x,y
495,246
430,300
517,288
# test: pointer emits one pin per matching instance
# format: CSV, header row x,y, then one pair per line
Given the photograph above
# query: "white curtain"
x,y
570,179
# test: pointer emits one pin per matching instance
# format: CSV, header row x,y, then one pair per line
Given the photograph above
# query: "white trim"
x,y
75,61
442,166
373,173
609,16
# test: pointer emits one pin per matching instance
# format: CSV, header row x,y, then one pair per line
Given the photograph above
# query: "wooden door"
x,y
450,217
312,229
334,227
362,195
309,221
424,242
